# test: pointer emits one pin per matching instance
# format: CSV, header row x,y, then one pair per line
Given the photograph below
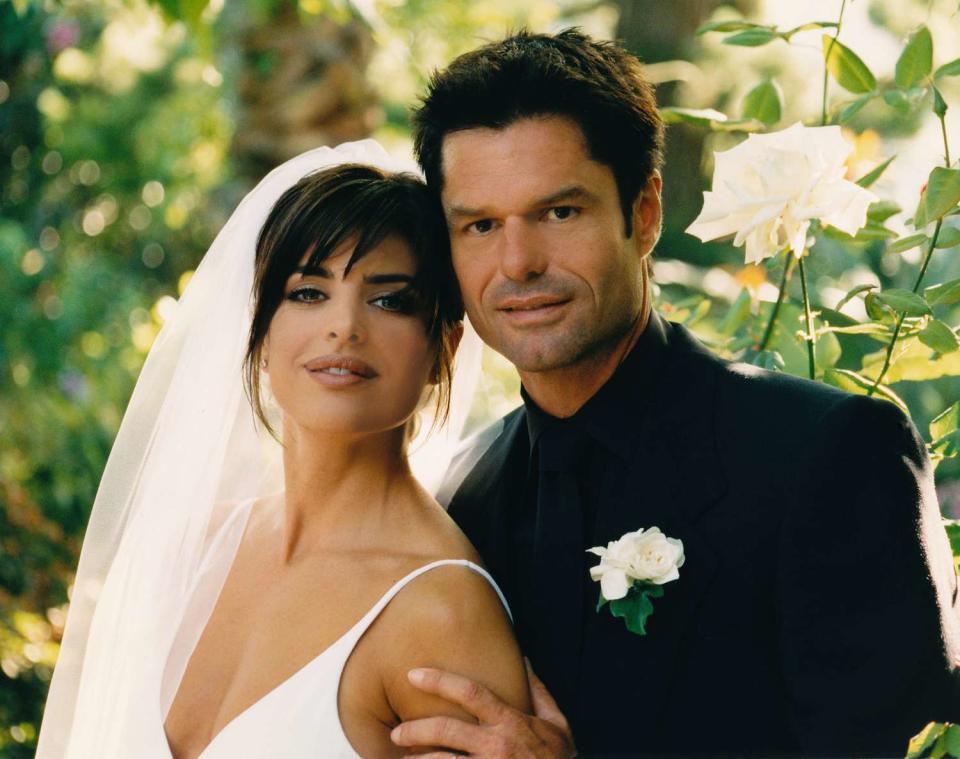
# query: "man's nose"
x,y
522,256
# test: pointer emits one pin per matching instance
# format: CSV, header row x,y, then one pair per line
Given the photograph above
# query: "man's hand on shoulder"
x,y
501,730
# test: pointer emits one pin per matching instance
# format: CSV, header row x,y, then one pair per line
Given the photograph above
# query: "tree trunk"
x,y
660,31
302,84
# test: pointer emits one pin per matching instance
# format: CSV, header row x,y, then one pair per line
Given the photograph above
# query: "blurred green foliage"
x,y
125,142
113,150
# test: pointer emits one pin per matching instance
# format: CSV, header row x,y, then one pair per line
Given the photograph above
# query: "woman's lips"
x,y
340,371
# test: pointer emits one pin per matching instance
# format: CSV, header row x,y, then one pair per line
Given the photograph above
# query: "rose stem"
x,y
826,68
768,332
810,336
923,270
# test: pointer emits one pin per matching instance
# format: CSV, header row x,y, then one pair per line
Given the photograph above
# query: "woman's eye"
x,y
396,302
306,295
480,227
562,213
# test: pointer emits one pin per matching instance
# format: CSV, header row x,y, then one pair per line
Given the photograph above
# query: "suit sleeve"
x,y
868,593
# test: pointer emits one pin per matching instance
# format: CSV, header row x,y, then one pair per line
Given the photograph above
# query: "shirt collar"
x,y
612,416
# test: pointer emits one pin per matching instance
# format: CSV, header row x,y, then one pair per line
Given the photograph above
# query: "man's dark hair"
x,y
597,84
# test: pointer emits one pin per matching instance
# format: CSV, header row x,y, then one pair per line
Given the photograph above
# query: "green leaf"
x,y
948,237
948,69
896,99
827,350
945,293
952,526
876,310
873,175
852,382
953,740
881,332
845,66
853,108
905,302
770,360
737,314
940,197
752,37
907,243
764,103
916,61
726,26
945,422
912,362
809,26
924,740
939,104
853,294
700,116
636,607
882,210
739,125
939,336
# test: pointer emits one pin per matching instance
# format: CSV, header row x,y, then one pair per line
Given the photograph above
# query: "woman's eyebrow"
x,y
370,279
386,279
313,271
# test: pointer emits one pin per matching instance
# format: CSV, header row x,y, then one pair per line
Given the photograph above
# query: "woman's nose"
x,y
346,322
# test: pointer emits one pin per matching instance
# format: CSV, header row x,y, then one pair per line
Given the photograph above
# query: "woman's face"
x,y
349,353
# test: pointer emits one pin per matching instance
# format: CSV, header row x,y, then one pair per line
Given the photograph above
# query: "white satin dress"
x,y
299,717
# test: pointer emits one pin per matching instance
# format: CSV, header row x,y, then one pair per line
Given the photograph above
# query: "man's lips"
x,y
338,369
531,303
533,310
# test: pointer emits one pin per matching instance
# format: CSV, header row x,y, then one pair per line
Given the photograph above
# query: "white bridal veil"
x,y
188,440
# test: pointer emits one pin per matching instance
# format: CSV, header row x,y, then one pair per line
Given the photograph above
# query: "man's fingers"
x,y
544,706
471,695
449,732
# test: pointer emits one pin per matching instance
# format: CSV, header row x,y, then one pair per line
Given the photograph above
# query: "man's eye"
x,y
306,295
480,227
562,213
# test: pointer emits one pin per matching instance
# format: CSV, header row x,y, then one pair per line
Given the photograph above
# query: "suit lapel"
x,y
672,482
490,495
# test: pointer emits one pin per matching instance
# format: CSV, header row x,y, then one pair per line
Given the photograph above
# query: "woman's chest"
x,y
265,630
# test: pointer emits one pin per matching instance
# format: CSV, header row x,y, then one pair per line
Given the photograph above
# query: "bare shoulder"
x,y
450,618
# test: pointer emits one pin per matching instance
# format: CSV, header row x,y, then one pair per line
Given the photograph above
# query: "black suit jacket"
x,y
817,611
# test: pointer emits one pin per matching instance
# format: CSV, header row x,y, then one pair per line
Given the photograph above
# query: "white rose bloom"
x,y
641,556
767,189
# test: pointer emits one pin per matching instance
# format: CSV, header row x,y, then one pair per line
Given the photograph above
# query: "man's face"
x,y
548,276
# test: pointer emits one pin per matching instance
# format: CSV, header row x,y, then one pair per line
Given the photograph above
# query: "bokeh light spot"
x,y
153,255
152,193
33,262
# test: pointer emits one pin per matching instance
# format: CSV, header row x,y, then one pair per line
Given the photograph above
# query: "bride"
x,y
215,615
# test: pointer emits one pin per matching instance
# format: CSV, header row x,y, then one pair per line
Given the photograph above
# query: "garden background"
x,y
129,131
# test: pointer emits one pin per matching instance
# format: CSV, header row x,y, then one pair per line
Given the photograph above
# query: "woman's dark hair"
x,y
599,85
351,202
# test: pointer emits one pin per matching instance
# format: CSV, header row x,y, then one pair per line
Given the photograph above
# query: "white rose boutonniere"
x,y
633,570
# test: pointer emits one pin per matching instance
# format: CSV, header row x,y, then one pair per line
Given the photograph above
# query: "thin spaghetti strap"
x,y
400,584
484,573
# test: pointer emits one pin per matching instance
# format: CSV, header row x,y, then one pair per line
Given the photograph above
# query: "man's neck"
x,y
562,392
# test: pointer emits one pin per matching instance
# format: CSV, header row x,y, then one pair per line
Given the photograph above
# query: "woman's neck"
x,y
341,490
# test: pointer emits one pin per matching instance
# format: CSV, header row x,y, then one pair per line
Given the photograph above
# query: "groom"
x,y
816,610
